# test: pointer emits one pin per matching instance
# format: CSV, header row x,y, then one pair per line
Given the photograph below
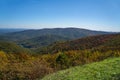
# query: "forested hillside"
x,y
72,33
101,42
10,47
35,62
43,37
41,41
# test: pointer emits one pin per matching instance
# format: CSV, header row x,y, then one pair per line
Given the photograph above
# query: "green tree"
x,y
62,60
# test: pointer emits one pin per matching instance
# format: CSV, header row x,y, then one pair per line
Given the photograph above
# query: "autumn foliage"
x,y
24,66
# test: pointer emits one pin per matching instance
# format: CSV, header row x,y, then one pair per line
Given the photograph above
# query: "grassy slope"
x,y
108,69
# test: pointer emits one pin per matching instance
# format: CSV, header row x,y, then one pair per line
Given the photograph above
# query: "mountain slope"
x,y
111,41
10,47
105,70
72,33
41,41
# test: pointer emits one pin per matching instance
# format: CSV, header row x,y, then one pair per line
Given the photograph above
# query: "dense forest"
x,y
26,57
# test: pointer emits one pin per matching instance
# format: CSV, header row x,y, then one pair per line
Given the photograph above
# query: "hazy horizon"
x,y
100,15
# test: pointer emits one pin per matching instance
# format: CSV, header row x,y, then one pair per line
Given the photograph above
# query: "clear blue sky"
x,y
91,14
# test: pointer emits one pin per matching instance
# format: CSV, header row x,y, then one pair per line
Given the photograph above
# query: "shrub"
x,y
62,60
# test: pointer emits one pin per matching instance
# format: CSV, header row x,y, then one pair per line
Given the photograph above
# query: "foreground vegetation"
x,y
105,70
30,67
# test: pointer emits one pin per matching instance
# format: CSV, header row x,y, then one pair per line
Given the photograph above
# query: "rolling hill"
x,y
100,42
33,39
41,41
10,47
72,33
72,52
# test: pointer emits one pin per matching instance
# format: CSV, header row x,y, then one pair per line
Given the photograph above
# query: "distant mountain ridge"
x,y
43,37
9,30
72,33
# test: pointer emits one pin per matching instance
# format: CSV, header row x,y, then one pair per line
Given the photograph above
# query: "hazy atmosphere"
x,y
36,14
